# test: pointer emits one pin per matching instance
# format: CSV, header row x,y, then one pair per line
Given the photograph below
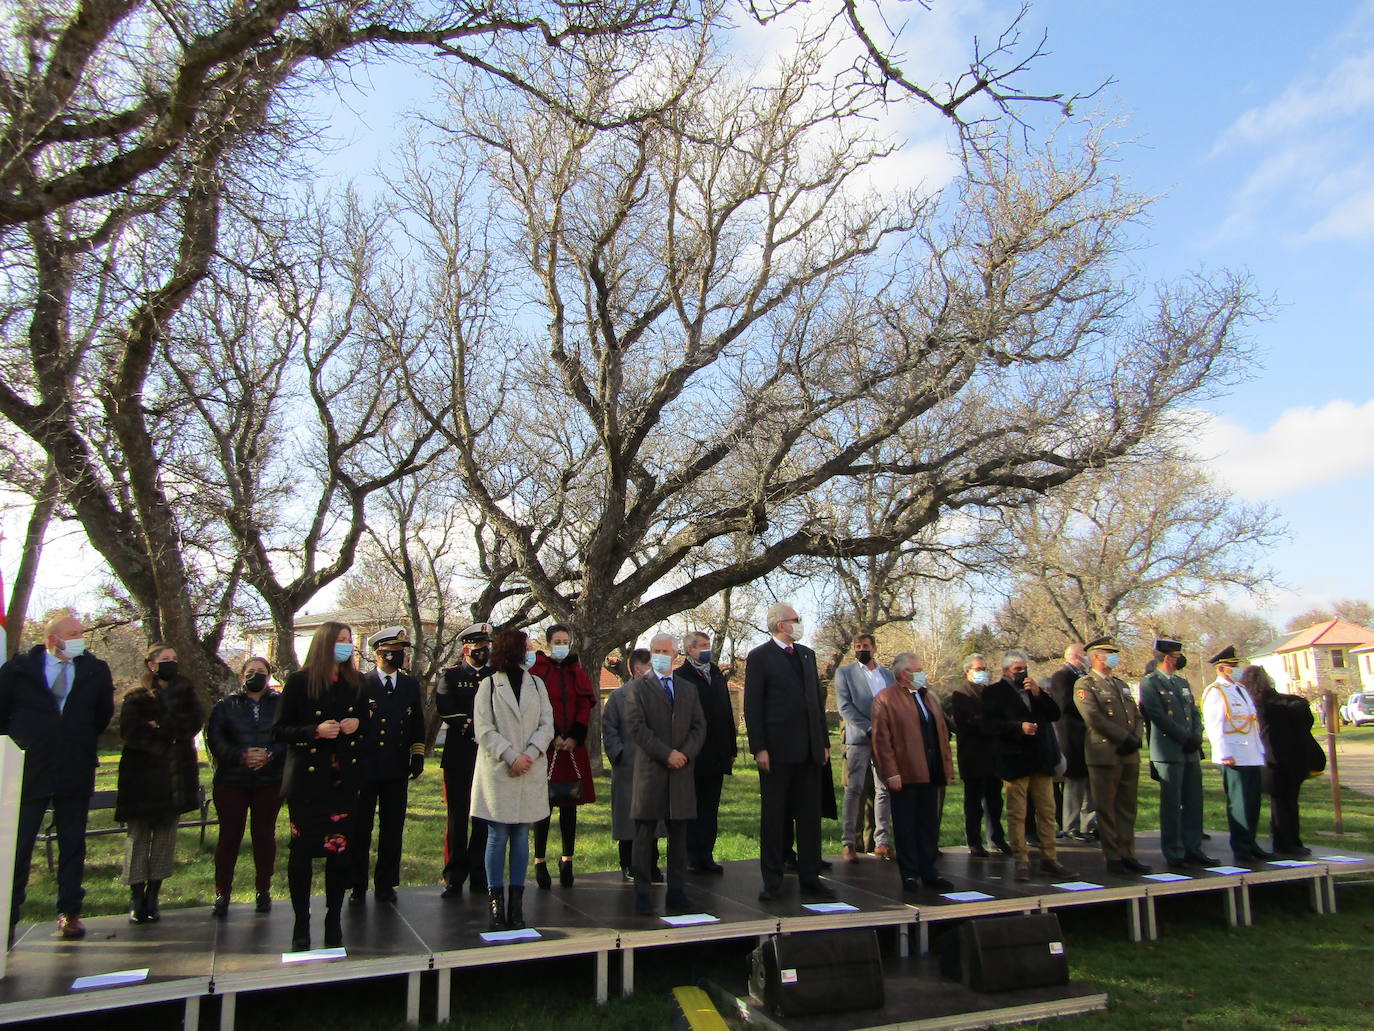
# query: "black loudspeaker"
x,y
817,972
999,954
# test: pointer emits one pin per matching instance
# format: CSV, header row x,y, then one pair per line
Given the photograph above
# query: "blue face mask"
x,y
76,646
978,676
661,663
343,651
559,652
918,679
1112,659
529,659
705,656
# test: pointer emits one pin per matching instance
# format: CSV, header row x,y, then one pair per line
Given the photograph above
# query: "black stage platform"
x,y
189,955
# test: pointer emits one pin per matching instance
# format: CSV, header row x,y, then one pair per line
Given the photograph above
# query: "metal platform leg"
x,y
922,937
413,1000
190,1020
1246,919
627,972
1318,890
226,1011
904,941
603,970
1133,919
1330,882
1151,918
443,1002
1231,915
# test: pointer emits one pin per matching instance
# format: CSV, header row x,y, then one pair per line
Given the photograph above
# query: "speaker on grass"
x,y
817,972
999,954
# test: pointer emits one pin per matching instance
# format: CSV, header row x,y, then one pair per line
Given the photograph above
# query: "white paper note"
x,y
688,919
966,896
310,955
106,980
1078,885
830,907
521,934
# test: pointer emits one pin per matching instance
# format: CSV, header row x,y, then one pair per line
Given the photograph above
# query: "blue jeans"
x,y
498,834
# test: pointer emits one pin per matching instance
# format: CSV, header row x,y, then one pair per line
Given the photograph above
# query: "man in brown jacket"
x,y
911,752
1112,750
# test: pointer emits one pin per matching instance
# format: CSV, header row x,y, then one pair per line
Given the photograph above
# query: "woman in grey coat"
x,y
513,723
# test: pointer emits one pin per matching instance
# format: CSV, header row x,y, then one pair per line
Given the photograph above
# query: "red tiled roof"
x,y
1335,633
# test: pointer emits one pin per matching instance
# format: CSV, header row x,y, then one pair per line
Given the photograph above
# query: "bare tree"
x,y
1352,610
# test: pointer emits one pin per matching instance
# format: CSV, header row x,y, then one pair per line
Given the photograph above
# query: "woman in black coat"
x,y
248,771
320,715
1291,755
159,775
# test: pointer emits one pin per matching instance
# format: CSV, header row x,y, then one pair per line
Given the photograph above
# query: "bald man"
x,y
55,700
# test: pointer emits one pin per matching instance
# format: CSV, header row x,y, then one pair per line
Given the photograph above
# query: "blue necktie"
x,y
668,688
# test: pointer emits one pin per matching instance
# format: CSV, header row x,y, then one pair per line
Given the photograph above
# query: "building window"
x,y
1337,659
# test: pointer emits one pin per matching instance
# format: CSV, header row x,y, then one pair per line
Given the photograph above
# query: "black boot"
x,y
335,887
154,914
515,914
565,874
298,876
497,898
541,875
138,903
221,907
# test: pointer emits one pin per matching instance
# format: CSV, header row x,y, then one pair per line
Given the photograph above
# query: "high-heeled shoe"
x,y
565,874
541,875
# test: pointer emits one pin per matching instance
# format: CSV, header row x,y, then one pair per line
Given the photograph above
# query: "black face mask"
x,y
477,658
255,682
167,671
396,659
864,656
1018,678
1182,661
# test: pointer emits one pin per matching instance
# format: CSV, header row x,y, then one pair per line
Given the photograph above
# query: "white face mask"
x,y
797,630
76,646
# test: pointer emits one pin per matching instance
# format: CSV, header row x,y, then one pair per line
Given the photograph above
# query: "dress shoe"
x,y
979,852
300,935
1201,859
1206,836
263,903
849,855
1134,865
1262,855
387,895
1301,852
357,897
713,867
541,875
825,865
884,852
1053,866
816,891
1023,871
790,864
1179,866
644,904
221,906
911,886
70,927
680,902
154,911
1116,866
138,904
333,930
626,874
451,891
938,883
768,894
1002,847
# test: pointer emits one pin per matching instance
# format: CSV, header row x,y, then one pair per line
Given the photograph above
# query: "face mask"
x,y
704,656
343,651
478,656
529,659
255,682
661,663
978,676
76,646
797,630
865,656
559,652
1112,659
918,679
167,671
396,659
1182,661
1019,678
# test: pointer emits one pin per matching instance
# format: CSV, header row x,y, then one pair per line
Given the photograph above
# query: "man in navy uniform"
x,y
464,846
392,749
55,700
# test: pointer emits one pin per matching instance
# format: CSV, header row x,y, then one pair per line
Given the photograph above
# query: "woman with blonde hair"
x,y
159,774
319,718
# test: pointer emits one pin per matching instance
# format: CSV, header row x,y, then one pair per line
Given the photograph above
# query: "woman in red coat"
x,y
572,696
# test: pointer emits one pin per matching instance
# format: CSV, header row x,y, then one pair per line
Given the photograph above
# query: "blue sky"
x,y
1253,121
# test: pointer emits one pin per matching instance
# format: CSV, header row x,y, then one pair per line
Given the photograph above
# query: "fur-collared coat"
x,y
159,770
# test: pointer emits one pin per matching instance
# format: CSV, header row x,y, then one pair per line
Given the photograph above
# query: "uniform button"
x,y
310,769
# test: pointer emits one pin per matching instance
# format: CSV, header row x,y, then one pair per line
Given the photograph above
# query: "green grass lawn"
x,y
1291,970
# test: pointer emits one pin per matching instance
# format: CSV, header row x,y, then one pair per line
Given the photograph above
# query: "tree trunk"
x,y
17,610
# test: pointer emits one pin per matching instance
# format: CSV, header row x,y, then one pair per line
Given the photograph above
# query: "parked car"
x,y
1359,710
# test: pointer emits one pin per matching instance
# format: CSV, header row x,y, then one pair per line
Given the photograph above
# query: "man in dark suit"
x,y
392,748
464,845
717,758
54,702
977,761
784,715
663,716
1079,818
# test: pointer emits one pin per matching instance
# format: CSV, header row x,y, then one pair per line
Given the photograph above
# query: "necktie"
x,y
668,688
62,684
788,649
388,685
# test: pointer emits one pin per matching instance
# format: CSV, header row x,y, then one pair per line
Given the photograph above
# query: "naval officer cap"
x,y
476,633
389,637
1101,644
1225,657
1165,645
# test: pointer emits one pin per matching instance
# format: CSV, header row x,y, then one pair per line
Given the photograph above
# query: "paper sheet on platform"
x,y
1292,862
1167,877
1340,859
1228,869
1078,885
106,980
522,934
966,896
830,907
310,955
688,919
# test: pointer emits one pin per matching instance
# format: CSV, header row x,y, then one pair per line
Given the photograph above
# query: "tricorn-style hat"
x,y
389,637
1165,645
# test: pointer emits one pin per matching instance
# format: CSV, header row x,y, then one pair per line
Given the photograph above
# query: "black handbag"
x,y
565,792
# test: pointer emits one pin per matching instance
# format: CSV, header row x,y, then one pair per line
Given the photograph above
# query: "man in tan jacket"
x,y
1115,731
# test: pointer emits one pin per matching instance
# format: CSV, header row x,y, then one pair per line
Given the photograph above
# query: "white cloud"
x,y
1304,447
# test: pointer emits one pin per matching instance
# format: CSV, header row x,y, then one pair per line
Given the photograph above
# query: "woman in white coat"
x,y
513,721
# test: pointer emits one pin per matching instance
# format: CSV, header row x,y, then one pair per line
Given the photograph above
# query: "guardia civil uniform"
x,y
1175,733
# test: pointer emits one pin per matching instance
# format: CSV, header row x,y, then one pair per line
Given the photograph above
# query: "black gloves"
x,y
1131,744
1192,743
417,766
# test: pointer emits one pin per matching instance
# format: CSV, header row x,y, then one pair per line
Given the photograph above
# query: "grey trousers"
x,y
1079,815
858,767
149,851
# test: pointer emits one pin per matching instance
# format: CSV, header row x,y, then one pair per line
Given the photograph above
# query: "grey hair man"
x,y
977,760
1077,816
717,757
857,684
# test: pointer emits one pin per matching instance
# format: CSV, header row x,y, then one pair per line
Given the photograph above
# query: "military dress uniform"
x,y
391,753
1233,731
465,838
1111,749
1175,725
